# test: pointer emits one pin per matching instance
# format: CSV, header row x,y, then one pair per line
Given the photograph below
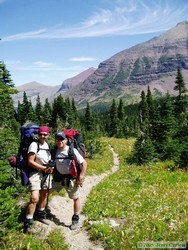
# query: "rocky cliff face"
x,y
151,63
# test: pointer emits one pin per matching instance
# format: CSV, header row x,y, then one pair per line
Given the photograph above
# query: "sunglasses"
x,y
60,139
42,134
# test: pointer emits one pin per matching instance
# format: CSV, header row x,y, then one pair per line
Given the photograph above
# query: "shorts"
x,y
72,190
39,180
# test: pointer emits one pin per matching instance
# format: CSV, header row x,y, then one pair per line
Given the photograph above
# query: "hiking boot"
x,y
75,220
28,223
41,215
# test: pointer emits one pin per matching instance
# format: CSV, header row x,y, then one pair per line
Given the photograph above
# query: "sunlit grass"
x,y
100,162
150,201
54,241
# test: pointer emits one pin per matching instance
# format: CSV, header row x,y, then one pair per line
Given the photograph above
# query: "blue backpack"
x,y
29,133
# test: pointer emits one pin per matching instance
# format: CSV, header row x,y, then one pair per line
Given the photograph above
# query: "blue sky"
x,y
49,41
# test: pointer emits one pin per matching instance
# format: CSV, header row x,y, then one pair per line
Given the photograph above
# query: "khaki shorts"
x,y
72,191
38,180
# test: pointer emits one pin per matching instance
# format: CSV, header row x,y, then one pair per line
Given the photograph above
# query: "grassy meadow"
x,y
148,203
145,203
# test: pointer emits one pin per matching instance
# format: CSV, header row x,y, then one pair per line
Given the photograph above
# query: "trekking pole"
x,y
48,190
48,186
44,179
50,164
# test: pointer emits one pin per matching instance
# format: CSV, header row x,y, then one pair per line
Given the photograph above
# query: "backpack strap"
x,y
71,153
46,149
53,154
71,156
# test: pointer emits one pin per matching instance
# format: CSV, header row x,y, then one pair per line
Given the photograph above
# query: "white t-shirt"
x,y
43,155
62,165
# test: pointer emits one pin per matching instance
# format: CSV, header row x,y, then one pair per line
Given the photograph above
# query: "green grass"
x,y
150,202
15,241
100,162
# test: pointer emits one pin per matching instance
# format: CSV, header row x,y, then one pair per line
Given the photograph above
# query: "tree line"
x,y
164,127
158,124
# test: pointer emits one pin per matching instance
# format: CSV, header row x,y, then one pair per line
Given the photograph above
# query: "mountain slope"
x,y
153,63
35,89
73,81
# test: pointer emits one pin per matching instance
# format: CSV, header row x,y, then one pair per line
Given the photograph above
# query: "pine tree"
x,y
156,129
122,130
120,109
181,114
180,85
144,150
60,109
151,104
5,77
181,100
144,113
31,113
113,119
88,119
6,106
7,113
55,107
182,135
24,110
69,113
47,112
39,111
168,126
75,118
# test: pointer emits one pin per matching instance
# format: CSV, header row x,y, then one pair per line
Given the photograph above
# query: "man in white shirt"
x,y
63,165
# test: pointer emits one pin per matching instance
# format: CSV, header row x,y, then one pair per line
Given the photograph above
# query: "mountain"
x,y
127,73
35,89
72,82
130,71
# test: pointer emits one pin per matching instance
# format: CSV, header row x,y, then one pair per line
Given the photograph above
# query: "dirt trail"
x,y
62,208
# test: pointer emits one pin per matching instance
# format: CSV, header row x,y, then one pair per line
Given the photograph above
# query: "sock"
x,y
29,217
41,209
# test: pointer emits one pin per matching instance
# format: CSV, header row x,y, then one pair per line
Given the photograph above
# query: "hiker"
x,y
71,185
40,178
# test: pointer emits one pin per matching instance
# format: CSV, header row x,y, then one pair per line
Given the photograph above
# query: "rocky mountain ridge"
x,y
73,81
130,71
153,63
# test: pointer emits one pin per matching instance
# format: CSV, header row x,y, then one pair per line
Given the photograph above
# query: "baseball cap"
x,y
60,134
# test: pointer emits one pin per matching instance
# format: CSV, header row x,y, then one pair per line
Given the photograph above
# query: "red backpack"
x,y
75,139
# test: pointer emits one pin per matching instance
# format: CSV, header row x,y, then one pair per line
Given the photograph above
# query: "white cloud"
x,y
41,66
44,64
126,18
82,59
